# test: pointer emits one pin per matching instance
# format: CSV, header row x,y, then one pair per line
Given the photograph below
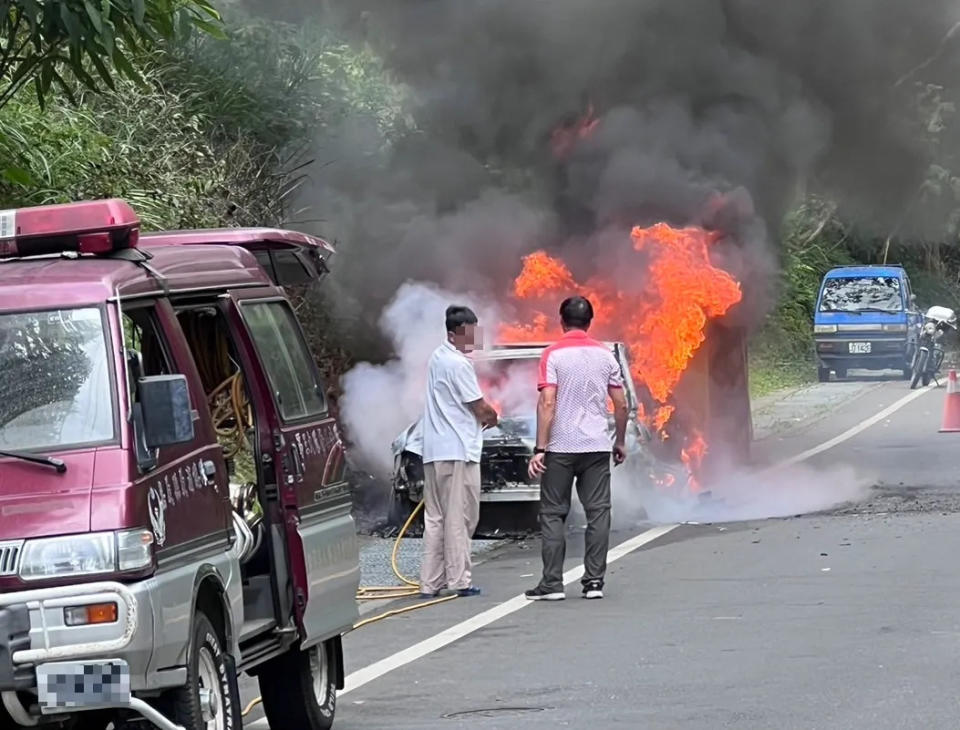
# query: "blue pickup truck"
x,y
866,318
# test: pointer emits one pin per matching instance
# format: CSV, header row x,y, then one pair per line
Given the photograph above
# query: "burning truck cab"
x,y
508,378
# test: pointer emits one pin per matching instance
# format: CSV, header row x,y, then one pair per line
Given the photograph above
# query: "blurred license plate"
x,y
82,685
859,348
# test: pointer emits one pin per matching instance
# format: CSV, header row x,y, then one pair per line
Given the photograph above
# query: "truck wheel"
x,y
823,375
299,689
841,373
918,369
211,698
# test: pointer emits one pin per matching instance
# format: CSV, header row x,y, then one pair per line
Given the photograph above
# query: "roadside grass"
x,y
769,374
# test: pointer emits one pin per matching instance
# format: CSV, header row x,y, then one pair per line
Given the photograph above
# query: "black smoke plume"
x,y
757,101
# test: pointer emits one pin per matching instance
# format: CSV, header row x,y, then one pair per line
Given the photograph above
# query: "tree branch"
x,y
939,52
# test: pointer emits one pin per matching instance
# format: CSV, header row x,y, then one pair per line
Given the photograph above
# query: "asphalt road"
x,y
844,618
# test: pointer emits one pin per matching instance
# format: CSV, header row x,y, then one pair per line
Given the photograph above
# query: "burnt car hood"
x,y
512,431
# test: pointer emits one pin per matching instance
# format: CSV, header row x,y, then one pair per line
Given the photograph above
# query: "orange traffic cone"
x,y
951,407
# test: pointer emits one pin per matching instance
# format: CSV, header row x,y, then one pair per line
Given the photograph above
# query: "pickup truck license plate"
x,y
859,348
64,686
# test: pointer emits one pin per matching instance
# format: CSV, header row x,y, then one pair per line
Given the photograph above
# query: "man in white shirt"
x,y
453,422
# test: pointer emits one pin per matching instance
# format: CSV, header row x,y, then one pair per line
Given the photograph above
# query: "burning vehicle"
x,y
508,377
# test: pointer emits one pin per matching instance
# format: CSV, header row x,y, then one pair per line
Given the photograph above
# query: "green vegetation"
x,y
206,132
88,41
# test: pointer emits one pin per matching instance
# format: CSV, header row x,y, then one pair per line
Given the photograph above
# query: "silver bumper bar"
x,y
41,599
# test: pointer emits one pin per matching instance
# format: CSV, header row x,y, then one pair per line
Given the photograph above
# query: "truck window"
x,y
147,355
57,385
285,358
861,294
142,339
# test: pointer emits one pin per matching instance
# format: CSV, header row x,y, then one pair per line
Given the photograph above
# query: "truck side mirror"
x,y
165,408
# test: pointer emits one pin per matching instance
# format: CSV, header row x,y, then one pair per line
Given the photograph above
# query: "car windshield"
x,y
55,392
861,294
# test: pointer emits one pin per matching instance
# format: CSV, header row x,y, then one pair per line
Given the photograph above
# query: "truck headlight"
x,y
894,328
90,554
824,329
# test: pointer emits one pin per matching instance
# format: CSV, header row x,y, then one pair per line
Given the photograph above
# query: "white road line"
x,y
850,433
376,670
484,618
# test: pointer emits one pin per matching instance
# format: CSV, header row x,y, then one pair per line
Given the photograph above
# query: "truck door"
x,y
301,442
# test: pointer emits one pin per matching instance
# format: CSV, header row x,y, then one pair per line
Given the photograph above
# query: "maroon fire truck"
x,y
173,503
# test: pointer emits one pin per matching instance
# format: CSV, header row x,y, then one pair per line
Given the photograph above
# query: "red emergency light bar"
x,y
91,227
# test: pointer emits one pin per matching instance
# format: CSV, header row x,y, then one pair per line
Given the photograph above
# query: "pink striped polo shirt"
x,y
581,369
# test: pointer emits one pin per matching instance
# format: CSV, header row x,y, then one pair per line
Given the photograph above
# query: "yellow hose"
x,y
378,593
409,584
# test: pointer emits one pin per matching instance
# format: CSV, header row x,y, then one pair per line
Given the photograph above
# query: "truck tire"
x,y
299,689
918,369
823,375
211,693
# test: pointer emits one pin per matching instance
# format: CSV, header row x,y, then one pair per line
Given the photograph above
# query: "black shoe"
x,y
541,594
593,589
467,592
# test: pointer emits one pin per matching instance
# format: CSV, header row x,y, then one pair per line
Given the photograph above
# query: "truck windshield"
x,y
55,391
861,294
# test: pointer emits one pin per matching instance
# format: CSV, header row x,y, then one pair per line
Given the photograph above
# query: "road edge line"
x,y
374,671
851,432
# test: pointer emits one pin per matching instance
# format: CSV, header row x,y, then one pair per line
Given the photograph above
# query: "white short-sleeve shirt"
x,y
451,431
582,370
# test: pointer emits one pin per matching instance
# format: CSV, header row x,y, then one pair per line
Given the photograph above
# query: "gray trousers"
x,y
592,474
451,510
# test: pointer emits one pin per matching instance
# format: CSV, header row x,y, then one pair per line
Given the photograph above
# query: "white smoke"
x,y
513,388
745,494
380,401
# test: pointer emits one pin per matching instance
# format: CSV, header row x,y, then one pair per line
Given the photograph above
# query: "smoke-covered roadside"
x,y
744,494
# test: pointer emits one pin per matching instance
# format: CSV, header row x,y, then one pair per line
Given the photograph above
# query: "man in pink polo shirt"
x,y
577,375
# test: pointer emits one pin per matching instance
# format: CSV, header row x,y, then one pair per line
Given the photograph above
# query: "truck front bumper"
x,y
511,493
869,352
34,630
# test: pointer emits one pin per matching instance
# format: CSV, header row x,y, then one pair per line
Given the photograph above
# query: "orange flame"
x,y
692,458
662,323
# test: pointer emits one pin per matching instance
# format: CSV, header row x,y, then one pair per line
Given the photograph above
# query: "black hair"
x,y
458,316
576,312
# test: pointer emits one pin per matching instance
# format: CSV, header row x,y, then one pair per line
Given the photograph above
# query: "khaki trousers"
x,y
451,510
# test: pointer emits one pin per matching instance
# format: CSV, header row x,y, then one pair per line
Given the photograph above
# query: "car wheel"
x,y
400,509
211,698
823,375
299,689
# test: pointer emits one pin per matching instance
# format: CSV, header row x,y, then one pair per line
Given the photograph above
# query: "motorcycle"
x,y
929,353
